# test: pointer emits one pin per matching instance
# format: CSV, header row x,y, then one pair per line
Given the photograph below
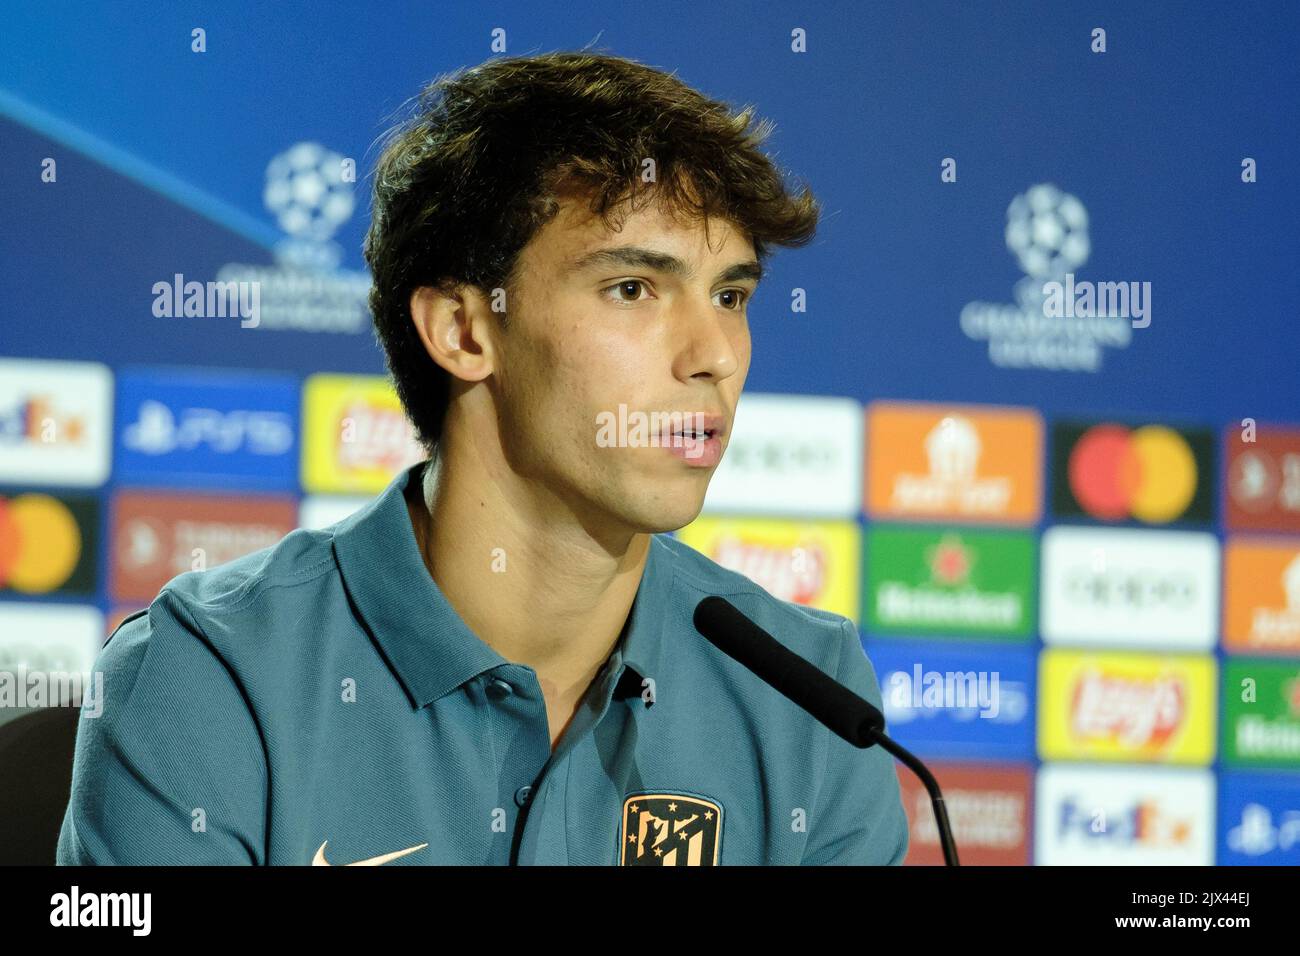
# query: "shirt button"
x,y
522,795
499,689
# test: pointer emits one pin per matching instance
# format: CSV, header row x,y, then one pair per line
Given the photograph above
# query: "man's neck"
x,y
536,588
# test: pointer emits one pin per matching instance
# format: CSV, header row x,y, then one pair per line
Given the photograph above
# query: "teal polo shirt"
x,y
320,702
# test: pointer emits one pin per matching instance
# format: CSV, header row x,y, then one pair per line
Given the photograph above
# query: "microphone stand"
x,y
905,756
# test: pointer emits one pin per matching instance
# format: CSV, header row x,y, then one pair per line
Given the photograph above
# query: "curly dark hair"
x,y
464,184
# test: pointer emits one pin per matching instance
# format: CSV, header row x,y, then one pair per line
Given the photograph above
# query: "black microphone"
x,y
856,720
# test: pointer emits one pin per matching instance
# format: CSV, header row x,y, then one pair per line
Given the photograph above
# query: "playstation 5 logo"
x,y
1256,834
156,430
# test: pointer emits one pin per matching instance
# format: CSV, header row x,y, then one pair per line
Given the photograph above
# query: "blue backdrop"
x,y
162,168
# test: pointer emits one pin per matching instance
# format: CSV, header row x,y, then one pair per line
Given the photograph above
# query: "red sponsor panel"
x,y
158,535
1262,491
989,809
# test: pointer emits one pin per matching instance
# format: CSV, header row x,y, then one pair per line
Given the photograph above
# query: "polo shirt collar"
x,y
643,637
427,643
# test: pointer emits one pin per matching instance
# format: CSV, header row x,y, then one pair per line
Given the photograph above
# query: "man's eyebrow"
x,y
639,256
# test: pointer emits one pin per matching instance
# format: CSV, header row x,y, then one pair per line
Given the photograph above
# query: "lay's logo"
x,y
356,437
1126,707
782,574
1115,707
810,563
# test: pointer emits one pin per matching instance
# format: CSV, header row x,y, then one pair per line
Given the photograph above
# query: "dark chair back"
x,y
35,783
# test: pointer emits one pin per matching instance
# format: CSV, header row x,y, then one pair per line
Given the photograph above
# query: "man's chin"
x,y
667,520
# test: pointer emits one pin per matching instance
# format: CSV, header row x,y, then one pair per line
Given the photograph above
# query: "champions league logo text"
x,y
309,189
1056,323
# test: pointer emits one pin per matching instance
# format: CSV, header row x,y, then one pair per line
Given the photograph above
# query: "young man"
x,y
495,661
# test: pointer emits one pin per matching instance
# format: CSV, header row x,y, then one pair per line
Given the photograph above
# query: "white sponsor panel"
x,y
55,422
1140,816
46,654
49,636
791,455
1130,588
321,511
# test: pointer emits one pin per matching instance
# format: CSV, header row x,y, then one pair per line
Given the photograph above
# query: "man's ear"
x,y
456,327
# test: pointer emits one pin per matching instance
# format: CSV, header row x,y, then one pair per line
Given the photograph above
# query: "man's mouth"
x,y
698,427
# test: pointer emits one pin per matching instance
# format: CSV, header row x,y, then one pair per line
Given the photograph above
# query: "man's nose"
x,y
707,348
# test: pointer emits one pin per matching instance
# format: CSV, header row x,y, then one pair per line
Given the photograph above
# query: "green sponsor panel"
x,y
950,582
1261,713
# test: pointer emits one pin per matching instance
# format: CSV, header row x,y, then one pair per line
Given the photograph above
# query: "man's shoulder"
x,y
298,558
270,586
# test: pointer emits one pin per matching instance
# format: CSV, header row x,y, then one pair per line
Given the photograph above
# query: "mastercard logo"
x,y
40,543
1148,473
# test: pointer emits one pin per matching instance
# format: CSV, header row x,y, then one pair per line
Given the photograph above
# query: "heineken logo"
x,y
949,561
949,582
1261,720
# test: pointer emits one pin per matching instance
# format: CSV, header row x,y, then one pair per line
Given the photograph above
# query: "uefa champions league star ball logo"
x,y
1047,231
307,190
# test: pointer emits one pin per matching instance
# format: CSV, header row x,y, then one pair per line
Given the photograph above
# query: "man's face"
x,y
651,317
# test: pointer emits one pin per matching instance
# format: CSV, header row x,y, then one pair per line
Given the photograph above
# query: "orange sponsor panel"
x,y
954,462
1261,595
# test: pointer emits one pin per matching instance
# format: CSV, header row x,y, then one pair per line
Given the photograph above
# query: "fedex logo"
x,y
39,418
1143,823
1119,816
55,422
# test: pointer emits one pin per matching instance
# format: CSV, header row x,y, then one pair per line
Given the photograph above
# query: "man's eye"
x,y
739,298
621,286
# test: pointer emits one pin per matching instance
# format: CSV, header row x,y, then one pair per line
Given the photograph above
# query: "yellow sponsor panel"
x,y
1141,707
356,437
815,563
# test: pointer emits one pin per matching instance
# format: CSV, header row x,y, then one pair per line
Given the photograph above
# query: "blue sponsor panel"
x,y
207,428
1259,819
958,702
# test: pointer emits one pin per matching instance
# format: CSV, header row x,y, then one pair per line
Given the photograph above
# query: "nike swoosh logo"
x,y
319,858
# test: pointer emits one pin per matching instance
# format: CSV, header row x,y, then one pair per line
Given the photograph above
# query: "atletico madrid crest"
x,y
670,829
